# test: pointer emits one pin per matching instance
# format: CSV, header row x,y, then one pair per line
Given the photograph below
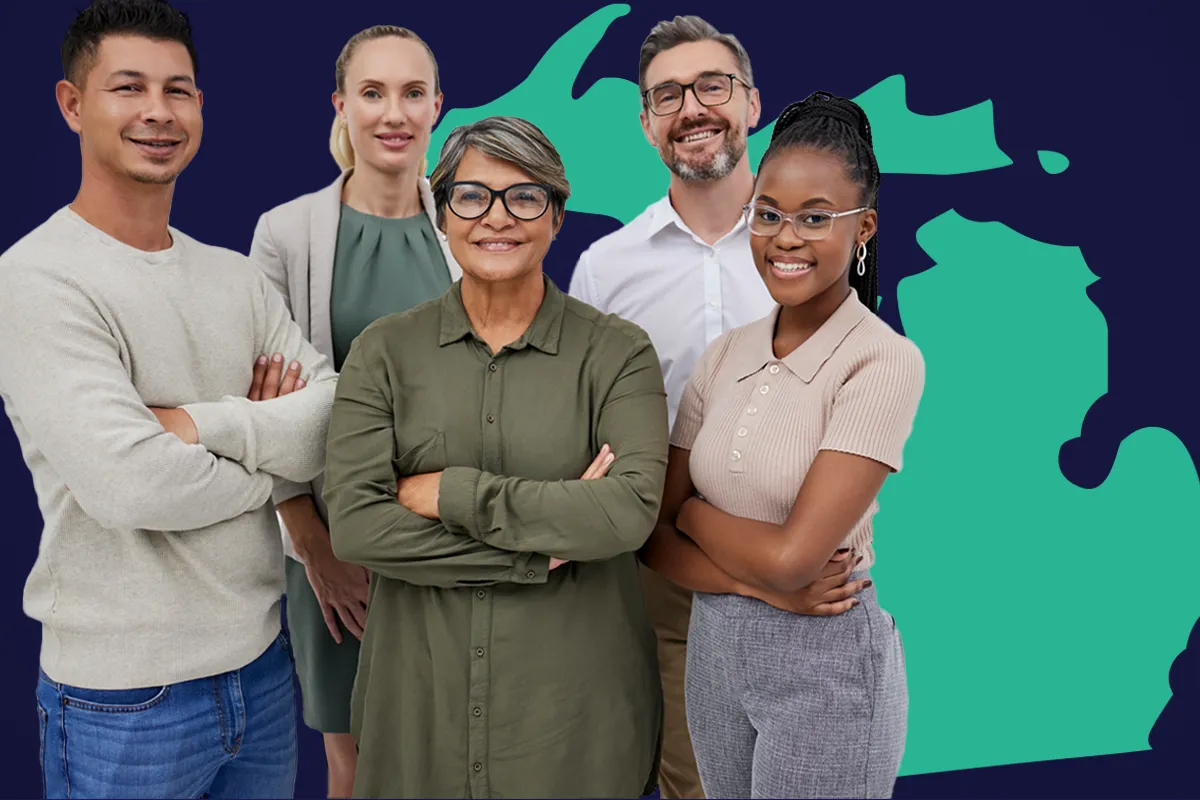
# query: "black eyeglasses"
x,y
523,201
710,90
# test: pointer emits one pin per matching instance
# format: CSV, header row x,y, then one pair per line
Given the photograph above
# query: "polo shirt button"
x,y
764,389
492,367
736,455
742,431
774,369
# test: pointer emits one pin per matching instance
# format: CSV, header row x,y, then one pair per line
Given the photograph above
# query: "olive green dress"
x,y
381,266
483,672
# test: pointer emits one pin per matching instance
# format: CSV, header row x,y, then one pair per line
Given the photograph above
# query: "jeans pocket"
x,y
115,701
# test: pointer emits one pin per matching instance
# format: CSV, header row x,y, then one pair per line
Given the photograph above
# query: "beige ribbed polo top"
x,y
754,423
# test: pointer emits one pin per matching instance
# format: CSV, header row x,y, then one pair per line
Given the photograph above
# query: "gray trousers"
x,y
785,705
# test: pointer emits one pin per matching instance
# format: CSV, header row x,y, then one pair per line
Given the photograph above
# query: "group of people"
x,y
534,543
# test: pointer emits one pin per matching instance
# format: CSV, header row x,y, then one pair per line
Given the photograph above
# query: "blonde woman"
x,y
361,248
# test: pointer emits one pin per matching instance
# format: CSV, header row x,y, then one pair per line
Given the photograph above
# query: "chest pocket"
x,y
428,456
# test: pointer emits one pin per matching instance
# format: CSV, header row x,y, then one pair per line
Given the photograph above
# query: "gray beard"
x,y
721,165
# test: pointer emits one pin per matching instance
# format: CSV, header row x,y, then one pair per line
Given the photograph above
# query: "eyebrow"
x,y
815,201
377,82
140,76
708,73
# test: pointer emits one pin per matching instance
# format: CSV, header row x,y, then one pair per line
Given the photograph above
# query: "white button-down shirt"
x,y
684,292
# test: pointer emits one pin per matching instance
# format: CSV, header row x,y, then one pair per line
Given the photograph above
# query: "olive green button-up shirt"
x,y
482,672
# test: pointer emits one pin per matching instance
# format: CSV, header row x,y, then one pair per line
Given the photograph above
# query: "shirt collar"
x,y
664,215
542,334
806,360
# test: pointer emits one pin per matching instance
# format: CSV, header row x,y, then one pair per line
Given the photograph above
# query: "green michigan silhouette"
x,y
1035,621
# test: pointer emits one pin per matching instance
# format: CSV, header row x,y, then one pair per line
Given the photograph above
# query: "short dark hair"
x,y
153,19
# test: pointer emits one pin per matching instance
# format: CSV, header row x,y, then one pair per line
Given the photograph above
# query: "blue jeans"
x,y
228,736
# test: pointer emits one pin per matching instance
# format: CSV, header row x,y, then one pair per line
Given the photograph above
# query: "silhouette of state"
x,y
1007,311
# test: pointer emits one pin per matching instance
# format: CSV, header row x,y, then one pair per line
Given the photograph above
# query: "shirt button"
x,y
479,651
477,711
492,367
752,411
774,369
490,418
713,304
736,455
531,574
477,766
481,594
764,389
741,431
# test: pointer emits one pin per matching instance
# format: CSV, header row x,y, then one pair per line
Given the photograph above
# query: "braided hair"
x,y
834,124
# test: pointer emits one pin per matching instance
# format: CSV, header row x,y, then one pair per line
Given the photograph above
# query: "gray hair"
x,y
682,30
511,139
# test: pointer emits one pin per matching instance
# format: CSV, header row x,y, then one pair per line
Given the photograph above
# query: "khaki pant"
x,y
669,608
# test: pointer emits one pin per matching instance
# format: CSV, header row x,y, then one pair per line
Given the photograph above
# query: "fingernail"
x,y
868,583
855,602
261,360
277,358
860,558
300,383
295,366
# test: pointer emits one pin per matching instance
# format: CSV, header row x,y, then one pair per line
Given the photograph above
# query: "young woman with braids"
x,y
785,435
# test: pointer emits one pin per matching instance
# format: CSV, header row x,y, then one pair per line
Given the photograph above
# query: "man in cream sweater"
x,y
127,351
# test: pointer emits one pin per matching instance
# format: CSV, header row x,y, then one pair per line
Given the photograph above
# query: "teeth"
x,y
496,245
695,137
791,266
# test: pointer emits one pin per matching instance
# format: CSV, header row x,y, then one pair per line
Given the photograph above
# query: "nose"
x,y
497,218
692,107
393,112
157,109
787,238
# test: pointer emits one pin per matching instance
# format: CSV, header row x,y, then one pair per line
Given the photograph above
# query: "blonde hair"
x,y
340,146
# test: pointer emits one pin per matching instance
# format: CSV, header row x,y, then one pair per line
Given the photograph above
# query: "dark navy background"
x,y
1109,89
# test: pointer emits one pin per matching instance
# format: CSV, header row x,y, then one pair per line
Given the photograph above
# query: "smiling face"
x,y
497,247
389,103
138,111
698,142
794,269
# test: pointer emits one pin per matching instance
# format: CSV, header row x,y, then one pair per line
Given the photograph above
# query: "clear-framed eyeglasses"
x,y
710,90
810,224
523,201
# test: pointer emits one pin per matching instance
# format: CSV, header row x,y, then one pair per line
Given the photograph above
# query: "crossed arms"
x,y
69,392
484,528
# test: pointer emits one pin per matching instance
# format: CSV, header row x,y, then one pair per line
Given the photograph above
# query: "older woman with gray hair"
x,y
496,458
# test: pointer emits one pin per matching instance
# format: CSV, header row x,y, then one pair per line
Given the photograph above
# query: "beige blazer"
x,y
294,245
